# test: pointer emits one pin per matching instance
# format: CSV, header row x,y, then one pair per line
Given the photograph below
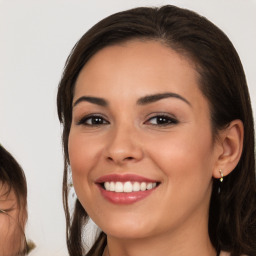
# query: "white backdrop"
x,y
35,38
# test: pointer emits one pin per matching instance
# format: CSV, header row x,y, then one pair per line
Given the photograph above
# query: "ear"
x,y
231,147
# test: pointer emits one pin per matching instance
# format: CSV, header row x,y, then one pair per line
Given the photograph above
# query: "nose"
x,y
123,146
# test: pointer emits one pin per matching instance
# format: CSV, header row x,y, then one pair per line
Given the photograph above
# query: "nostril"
x,y
128,158
119,159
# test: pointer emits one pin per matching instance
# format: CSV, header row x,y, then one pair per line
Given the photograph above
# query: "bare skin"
x,y
12,221
167,139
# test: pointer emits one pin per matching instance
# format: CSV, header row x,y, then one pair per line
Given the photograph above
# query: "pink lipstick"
x,y
125,189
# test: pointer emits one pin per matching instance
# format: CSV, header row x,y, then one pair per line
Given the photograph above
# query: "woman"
x,y
13,206
158,133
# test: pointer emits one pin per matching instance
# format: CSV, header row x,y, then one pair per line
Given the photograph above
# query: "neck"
x,y
189,242
130,248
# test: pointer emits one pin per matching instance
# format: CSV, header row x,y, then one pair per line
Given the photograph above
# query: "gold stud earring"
x,y
221,174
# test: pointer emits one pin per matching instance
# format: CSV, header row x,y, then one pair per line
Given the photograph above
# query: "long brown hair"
x,y
232,219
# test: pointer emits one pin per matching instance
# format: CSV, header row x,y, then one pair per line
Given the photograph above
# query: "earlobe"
x,y
231,139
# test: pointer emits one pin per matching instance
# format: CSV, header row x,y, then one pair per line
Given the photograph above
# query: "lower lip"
x,y
125,198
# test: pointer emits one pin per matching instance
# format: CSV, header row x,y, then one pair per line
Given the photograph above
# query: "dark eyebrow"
x,y
155,97
94,100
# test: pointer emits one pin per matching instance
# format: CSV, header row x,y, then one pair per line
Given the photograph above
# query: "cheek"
x,y
11,235
82,154
186,164
183,154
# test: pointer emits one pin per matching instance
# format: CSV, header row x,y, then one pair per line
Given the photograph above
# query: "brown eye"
x,y
162,120
93,120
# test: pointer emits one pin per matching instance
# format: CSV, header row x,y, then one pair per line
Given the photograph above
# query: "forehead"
x,y
6,192
137,66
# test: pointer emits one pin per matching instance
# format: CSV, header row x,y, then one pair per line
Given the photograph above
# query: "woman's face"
x,y
12,222
141,124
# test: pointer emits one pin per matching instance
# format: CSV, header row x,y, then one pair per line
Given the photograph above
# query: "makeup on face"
x,y
125,189
140,141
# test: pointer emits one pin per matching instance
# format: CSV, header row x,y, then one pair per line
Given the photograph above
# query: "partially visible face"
x,y
12,222
141,125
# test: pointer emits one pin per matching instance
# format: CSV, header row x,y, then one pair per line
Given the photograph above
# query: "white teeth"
x,y
128,186
143,186
112,186
119,187
107,185
149,186
136,186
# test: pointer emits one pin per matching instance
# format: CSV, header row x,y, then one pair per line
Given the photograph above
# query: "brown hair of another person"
x,y
12,178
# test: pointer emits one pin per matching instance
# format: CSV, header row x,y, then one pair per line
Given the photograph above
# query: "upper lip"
x,y
123,178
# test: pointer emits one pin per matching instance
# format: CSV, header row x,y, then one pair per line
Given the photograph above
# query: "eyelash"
x,y
165,119
92,117
6,211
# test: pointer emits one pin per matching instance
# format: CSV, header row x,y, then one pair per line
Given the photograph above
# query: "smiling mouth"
x,y
126,189
128,186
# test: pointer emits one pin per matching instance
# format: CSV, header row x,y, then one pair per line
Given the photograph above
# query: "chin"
x,y
127,230
126,234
